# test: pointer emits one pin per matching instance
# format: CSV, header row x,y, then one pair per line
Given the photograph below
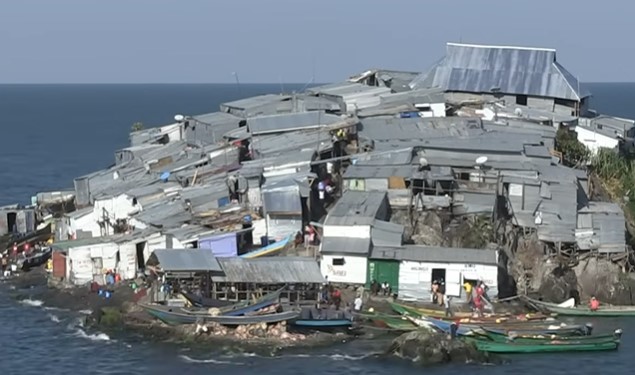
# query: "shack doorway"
x,y
438,274
12,219
141,260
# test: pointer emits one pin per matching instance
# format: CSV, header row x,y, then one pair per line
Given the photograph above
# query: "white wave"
x,y
86,312
98,336
211,360
54,318
32,302
334,357
54,309
75,323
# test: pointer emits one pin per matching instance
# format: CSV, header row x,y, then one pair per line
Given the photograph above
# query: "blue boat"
x,y
326,319
261,303
178,316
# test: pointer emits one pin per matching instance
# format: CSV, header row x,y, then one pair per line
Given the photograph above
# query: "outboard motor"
x,y
453,330
588,329
618,333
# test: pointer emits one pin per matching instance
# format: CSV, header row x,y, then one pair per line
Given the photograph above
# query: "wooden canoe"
x,y
603,311
553,346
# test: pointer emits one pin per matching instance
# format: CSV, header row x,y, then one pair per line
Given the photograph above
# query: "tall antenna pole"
x,y
235,74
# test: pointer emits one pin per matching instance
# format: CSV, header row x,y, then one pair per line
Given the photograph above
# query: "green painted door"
x,y
383,270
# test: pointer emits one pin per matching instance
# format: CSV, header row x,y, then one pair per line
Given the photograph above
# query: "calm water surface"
x,y
53,133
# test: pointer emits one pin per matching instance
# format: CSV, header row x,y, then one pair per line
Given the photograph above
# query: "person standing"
x,y
468,292
594,304
358,304
448,307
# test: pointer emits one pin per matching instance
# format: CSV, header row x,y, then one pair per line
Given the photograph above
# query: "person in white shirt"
x,y
358,303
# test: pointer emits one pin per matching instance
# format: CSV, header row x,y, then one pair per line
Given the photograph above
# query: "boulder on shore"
x,y
429,348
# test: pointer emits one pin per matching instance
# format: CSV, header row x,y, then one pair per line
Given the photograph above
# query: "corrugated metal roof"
x,y
378,171
418,129
357,208
345,245
559,214
254,101
290,122
392,157
601,226
271,270
317,139
385,233
189,233
187,260
80,213
515,70
537,151
433,254
421,96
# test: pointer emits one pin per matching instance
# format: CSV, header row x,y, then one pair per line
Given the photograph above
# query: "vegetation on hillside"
x,y
617,171
137,126
573,152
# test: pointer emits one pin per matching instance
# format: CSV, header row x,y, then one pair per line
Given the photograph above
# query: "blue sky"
x,y
200,41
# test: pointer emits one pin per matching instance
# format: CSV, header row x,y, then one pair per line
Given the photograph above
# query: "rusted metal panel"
x,y
59,264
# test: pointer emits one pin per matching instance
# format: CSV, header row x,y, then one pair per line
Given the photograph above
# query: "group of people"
x,y
476,296
384,288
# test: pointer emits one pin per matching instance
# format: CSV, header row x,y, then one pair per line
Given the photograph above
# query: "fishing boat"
x,y
178,316
534,339
200,301
471,319
387,322
499,319
36,259
534,328
243,308
552,346
569,309
269,250
323,319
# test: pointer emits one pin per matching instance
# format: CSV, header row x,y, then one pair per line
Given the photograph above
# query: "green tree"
x,y
137,126
573,152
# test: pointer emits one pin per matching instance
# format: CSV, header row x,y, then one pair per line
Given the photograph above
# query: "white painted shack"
x,y
81,224
346,239
419,266
88,259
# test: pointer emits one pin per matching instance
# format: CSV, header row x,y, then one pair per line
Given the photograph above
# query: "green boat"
x,y
554,346
386,321
519,338
603,311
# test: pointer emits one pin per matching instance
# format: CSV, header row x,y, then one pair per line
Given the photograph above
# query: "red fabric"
x,y
595,304
337,293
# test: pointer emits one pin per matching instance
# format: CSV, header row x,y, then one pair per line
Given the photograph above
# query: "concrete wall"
x,y
351,231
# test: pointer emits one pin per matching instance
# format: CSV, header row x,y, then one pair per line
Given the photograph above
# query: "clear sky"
x,y
201,41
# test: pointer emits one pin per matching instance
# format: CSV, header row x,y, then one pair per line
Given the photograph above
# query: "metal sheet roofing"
x,y
515,70
378,171
254,101
385,233
345,245
187,260
316,139
433,254
392,157
290,122
357,208
271,270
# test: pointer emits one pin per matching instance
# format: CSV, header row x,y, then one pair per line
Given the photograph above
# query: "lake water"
x,y
53,133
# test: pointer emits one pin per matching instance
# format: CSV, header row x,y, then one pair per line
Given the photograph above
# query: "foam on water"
x,y
97,336
32,302
211,360
54,318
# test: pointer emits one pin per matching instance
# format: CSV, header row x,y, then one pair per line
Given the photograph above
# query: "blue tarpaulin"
x,y
222,246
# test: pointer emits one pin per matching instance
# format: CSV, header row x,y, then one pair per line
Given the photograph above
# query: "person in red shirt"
x,y
594,303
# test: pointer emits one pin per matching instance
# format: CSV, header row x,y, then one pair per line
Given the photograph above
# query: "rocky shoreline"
x,y
119,315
